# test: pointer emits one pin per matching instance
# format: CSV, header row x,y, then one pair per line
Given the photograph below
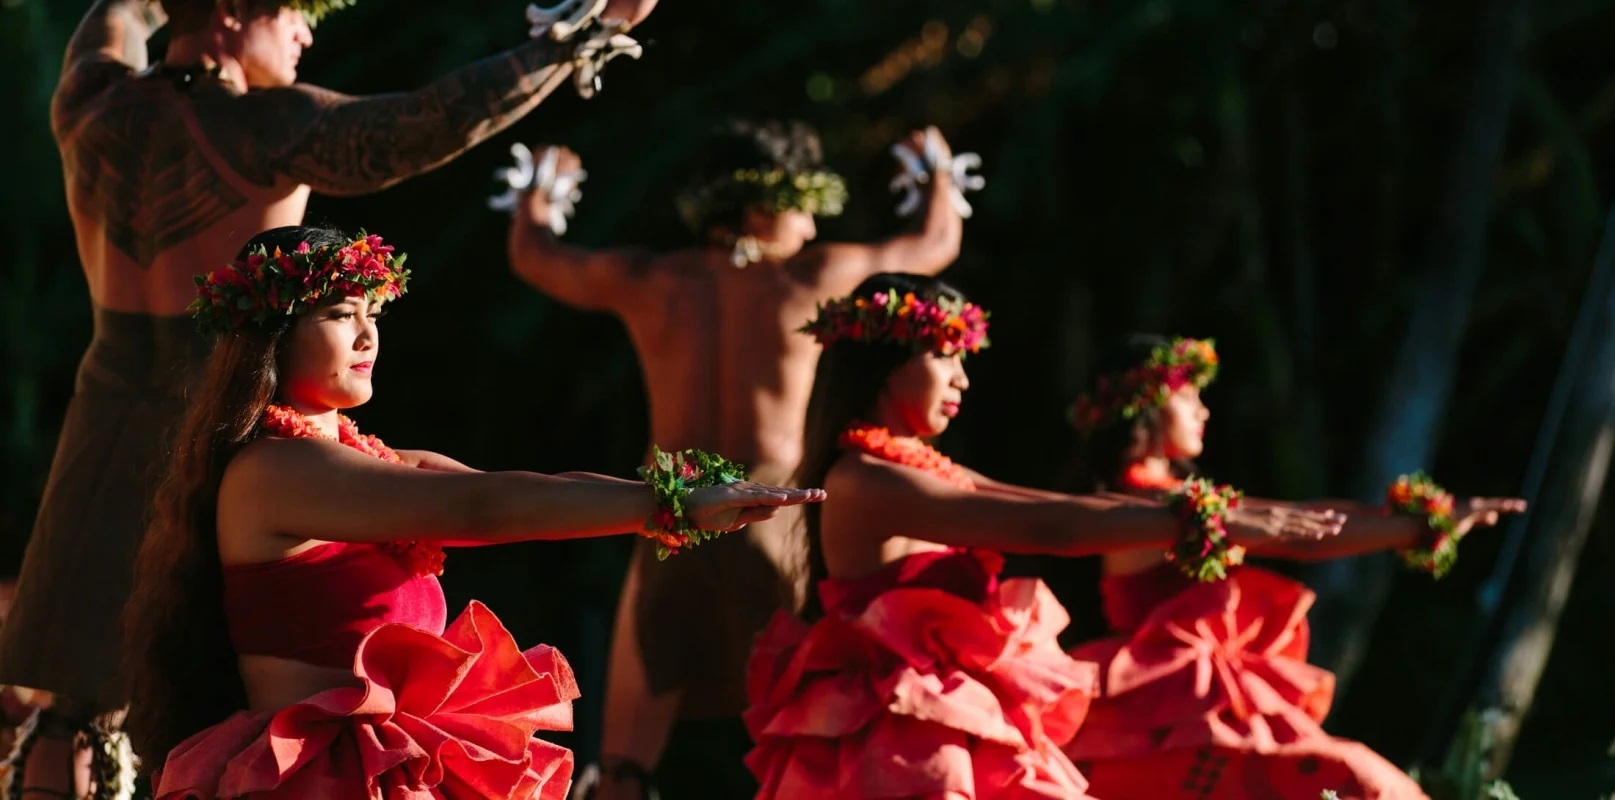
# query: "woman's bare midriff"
x,y
274,683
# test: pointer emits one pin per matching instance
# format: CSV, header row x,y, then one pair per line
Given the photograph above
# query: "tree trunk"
x,y
1352,591
1538,562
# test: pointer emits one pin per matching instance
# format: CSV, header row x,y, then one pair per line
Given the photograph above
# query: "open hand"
x,y
735,505
938,155
1264,524
1483,512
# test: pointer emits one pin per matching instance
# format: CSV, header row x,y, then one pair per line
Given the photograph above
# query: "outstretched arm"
x,y
345,145
349,497
889,500
110,40
1370,529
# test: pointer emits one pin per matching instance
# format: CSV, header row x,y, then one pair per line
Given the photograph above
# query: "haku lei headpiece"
x,y
818,192
316,10
946,326
266,284
1184,362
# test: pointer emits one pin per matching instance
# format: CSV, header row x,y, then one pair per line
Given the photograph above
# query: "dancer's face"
x,y
268,46
1183,425
923,396
330,355
782,235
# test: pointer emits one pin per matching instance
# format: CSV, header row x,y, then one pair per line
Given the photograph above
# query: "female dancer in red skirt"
x,y
1205,690
918,673
287,628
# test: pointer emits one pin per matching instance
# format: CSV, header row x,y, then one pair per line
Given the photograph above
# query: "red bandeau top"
x,y
318,605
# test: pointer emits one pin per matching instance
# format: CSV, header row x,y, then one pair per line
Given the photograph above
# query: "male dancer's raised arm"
x,y
926,247
343,145
110,41
596,279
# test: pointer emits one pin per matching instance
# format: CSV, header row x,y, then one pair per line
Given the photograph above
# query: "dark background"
x,y
1283,176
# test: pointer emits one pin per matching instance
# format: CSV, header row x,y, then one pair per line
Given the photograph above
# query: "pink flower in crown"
x,y
302,247
688,471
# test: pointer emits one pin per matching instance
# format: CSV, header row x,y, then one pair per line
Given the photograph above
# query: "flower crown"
x,y
945,326
1184,362
818,192
315,10
269,283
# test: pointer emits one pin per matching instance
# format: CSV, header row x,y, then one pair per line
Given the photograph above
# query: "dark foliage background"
x,y
1265,172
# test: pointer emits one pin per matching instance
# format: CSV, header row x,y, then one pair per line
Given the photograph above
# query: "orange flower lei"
x,y
880,443
425,558
1139,478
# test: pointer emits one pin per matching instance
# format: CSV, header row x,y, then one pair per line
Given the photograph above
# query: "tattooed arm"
x,y
345,145
110,41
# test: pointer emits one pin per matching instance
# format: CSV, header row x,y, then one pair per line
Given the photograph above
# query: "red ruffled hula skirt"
x,y
449,716
1211,697
926,680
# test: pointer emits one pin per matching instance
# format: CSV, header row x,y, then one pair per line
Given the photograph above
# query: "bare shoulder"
x,y
81,86
271,462
857,476
832,268
129,156
253,130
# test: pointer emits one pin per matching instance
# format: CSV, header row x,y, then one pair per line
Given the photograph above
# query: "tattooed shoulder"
x,y
130,160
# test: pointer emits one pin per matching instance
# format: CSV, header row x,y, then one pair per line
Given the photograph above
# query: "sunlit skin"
x,y
724,369
259,51
1179,435
923,396
329,358
193,167
884,511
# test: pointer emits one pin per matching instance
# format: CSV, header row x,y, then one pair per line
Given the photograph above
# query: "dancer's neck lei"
x,y
1140,478
424,558
880,443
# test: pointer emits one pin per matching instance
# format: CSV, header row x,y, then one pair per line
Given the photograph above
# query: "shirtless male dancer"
x,y
713,327
168,169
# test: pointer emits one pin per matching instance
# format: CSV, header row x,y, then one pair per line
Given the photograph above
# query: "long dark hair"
x,y
850,378
1102,453
182,672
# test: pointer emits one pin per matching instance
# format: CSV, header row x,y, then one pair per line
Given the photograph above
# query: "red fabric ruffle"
x,y
449,716
1218,672
922,693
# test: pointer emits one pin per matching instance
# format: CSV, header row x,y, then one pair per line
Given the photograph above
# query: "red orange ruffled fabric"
x,y
928,679
450,716
1208,695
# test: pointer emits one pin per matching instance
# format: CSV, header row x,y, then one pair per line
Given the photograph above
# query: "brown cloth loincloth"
x,y
64,632
697,612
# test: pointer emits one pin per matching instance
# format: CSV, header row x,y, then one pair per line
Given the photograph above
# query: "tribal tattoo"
x,y
147,160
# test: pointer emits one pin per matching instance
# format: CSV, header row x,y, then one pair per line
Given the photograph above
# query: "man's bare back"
x,y
729,371
725,370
